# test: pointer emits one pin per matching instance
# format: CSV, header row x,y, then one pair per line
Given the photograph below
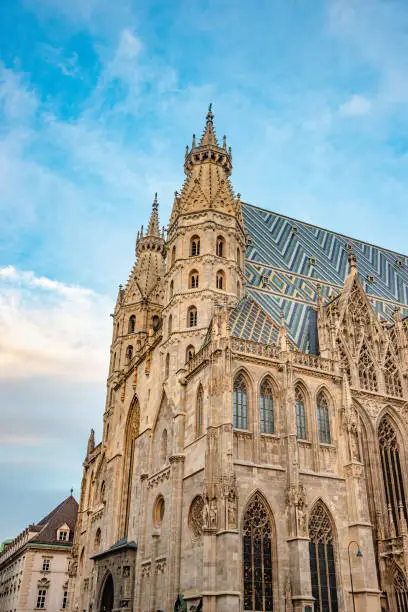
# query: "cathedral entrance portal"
x,y
107,595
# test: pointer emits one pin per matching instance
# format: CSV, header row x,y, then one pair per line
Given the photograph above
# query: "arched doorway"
x,y
107,595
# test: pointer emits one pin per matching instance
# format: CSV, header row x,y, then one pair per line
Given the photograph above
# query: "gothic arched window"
x,y
194,246
323,420
391,377
300,413
129,353
322,563
220,280
170,324
240,403
220,246
132,324
266,407
171,289
366,370
391,471
190,352
167,366
131,433
192,316
155,322
401,591
173,255
239,257
257,556
199,411
193,279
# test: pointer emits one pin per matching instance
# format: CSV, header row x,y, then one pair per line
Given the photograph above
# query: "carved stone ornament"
x,y
297,505
210,513
232,509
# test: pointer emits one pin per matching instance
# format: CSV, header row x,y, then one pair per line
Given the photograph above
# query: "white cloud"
x,y
356,106
49,328
54,55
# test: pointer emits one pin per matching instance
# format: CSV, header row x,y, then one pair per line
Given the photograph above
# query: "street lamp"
x,y
358,554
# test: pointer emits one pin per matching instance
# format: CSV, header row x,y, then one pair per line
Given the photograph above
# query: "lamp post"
x,y
358,554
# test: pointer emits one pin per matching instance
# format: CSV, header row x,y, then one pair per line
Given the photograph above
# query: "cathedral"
x,y
254,453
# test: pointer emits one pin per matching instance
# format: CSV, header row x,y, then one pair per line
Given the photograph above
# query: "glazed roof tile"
x,y
287,259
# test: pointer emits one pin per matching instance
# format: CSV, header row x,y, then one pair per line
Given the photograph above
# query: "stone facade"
x,y
34,567
233,473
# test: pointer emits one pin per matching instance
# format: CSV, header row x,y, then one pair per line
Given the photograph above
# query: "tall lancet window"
x,y
401,591
322,562
391,471
323,421
257,556
300,413
199,411
240,403
266,407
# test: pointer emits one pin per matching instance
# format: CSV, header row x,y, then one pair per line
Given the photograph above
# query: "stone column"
x,y
176,514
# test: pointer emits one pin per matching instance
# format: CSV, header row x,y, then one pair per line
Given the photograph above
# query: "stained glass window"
x,y
300,413
323,422
322,562
240,403
266,407
401,592
257,550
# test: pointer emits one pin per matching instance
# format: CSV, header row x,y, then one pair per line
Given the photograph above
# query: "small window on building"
x,y
173,256
63,535
220,246
239,257
192,317
171,289
129,353
190,352
41,598
170,324
46,565
97,541
64,599
155,322
158,511
220,280
193,279
195,246
132,324
167,366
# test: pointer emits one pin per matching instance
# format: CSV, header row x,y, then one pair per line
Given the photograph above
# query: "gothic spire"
x,y
153,227
209,137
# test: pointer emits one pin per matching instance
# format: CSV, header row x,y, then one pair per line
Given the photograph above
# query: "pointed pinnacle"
x,y
352,262
153,227
209,136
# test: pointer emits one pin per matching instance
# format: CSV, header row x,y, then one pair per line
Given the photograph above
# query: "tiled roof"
x,y
65,513
248,320
287,259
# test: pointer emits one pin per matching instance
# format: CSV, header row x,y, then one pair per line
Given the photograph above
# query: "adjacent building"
x,y
34,566
254,452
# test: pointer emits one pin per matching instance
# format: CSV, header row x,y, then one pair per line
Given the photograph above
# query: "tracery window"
x,y
257,553
391,377
391,471
266,407
240,403
132,324
323,421
194,246
366,370
192,316
199,411
401,591
220,280
322,563
193,279
220,246
300,413
195,517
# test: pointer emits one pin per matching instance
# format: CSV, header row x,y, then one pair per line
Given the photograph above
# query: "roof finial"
x,y
153,227
352,262
210,107
71,491
193,144
209,136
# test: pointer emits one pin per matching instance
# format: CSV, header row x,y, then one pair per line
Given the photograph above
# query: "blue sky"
x,y
97,102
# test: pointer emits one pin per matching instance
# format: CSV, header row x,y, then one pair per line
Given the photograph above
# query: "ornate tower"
x,y
138,307
205,246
